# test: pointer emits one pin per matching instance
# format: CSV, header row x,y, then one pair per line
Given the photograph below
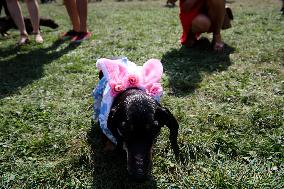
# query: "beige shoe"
x,y
23,39
38,38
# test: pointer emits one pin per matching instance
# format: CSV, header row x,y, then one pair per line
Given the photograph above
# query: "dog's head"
x,y
135,120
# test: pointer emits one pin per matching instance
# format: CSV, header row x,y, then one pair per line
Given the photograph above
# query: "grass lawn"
x,y
230,106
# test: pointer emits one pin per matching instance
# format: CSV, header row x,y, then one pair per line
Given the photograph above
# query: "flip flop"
x,y
23,40
218,47
38,38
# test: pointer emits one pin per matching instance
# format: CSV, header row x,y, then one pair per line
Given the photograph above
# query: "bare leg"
x,y
34,15
71,8
82,8
201,23
16,14
216,13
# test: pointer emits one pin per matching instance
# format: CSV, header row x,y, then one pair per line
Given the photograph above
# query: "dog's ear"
x,y
166,118
113,121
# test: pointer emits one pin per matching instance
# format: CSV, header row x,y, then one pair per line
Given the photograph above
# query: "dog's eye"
x,y
123,129
122,126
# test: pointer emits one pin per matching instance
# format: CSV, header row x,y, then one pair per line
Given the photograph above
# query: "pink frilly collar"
x,y
123,74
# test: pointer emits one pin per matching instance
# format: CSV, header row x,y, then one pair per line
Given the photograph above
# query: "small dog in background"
x,y
282,9
7,23
3,4
170,4
227,19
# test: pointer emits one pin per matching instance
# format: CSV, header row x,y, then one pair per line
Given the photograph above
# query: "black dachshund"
x,y
282,9
7,23
3,4
135,121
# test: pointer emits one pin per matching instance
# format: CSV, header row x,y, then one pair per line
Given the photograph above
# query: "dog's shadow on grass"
x,y
26,66
185,67
109,168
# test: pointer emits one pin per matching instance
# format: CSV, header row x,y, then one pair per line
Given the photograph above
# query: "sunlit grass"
x,y
230,106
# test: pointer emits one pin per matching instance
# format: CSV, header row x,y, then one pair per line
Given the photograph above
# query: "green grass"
x,y
230,106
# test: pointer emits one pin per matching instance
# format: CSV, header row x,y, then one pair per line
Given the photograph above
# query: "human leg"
x,y
82,8
34,15
216,13
71,8
200,24
16,14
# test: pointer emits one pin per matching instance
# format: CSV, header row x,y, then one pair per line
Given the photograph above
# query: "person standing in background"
x,y
16,14
78,12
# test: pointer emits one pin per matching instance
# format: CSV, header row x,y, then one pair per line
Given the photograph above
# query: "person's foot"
x,y
69,35
217,43
81,36
218,47
23,39
38,38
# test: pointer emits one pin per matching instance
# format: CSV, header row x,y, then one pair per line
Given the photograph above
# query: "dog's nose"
x,y
138,174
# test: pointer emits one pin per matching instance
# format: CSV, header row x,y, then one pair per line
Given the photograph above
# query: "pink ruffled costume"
x,y
119,75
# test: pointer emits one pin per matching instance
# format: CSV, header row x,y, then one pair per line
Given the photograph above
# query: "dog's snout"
x,y
138,169
138,160
139,175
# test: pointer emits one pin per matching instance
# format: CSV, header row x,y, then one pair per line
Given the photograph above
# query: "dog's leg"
x,y
6,9
282,9
28,24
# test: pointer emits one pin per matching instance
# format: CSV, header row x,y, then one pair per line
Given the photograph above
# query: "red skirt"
x,y
186,18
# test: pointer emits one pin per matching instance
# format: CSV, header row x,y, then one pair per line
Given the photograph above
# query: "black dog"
x,y
135,121
3,4
7,23
282,9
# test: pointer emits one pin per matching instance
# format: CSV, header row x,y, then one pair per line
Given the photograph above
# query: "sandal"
x,y
23,39
217,46
38,38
